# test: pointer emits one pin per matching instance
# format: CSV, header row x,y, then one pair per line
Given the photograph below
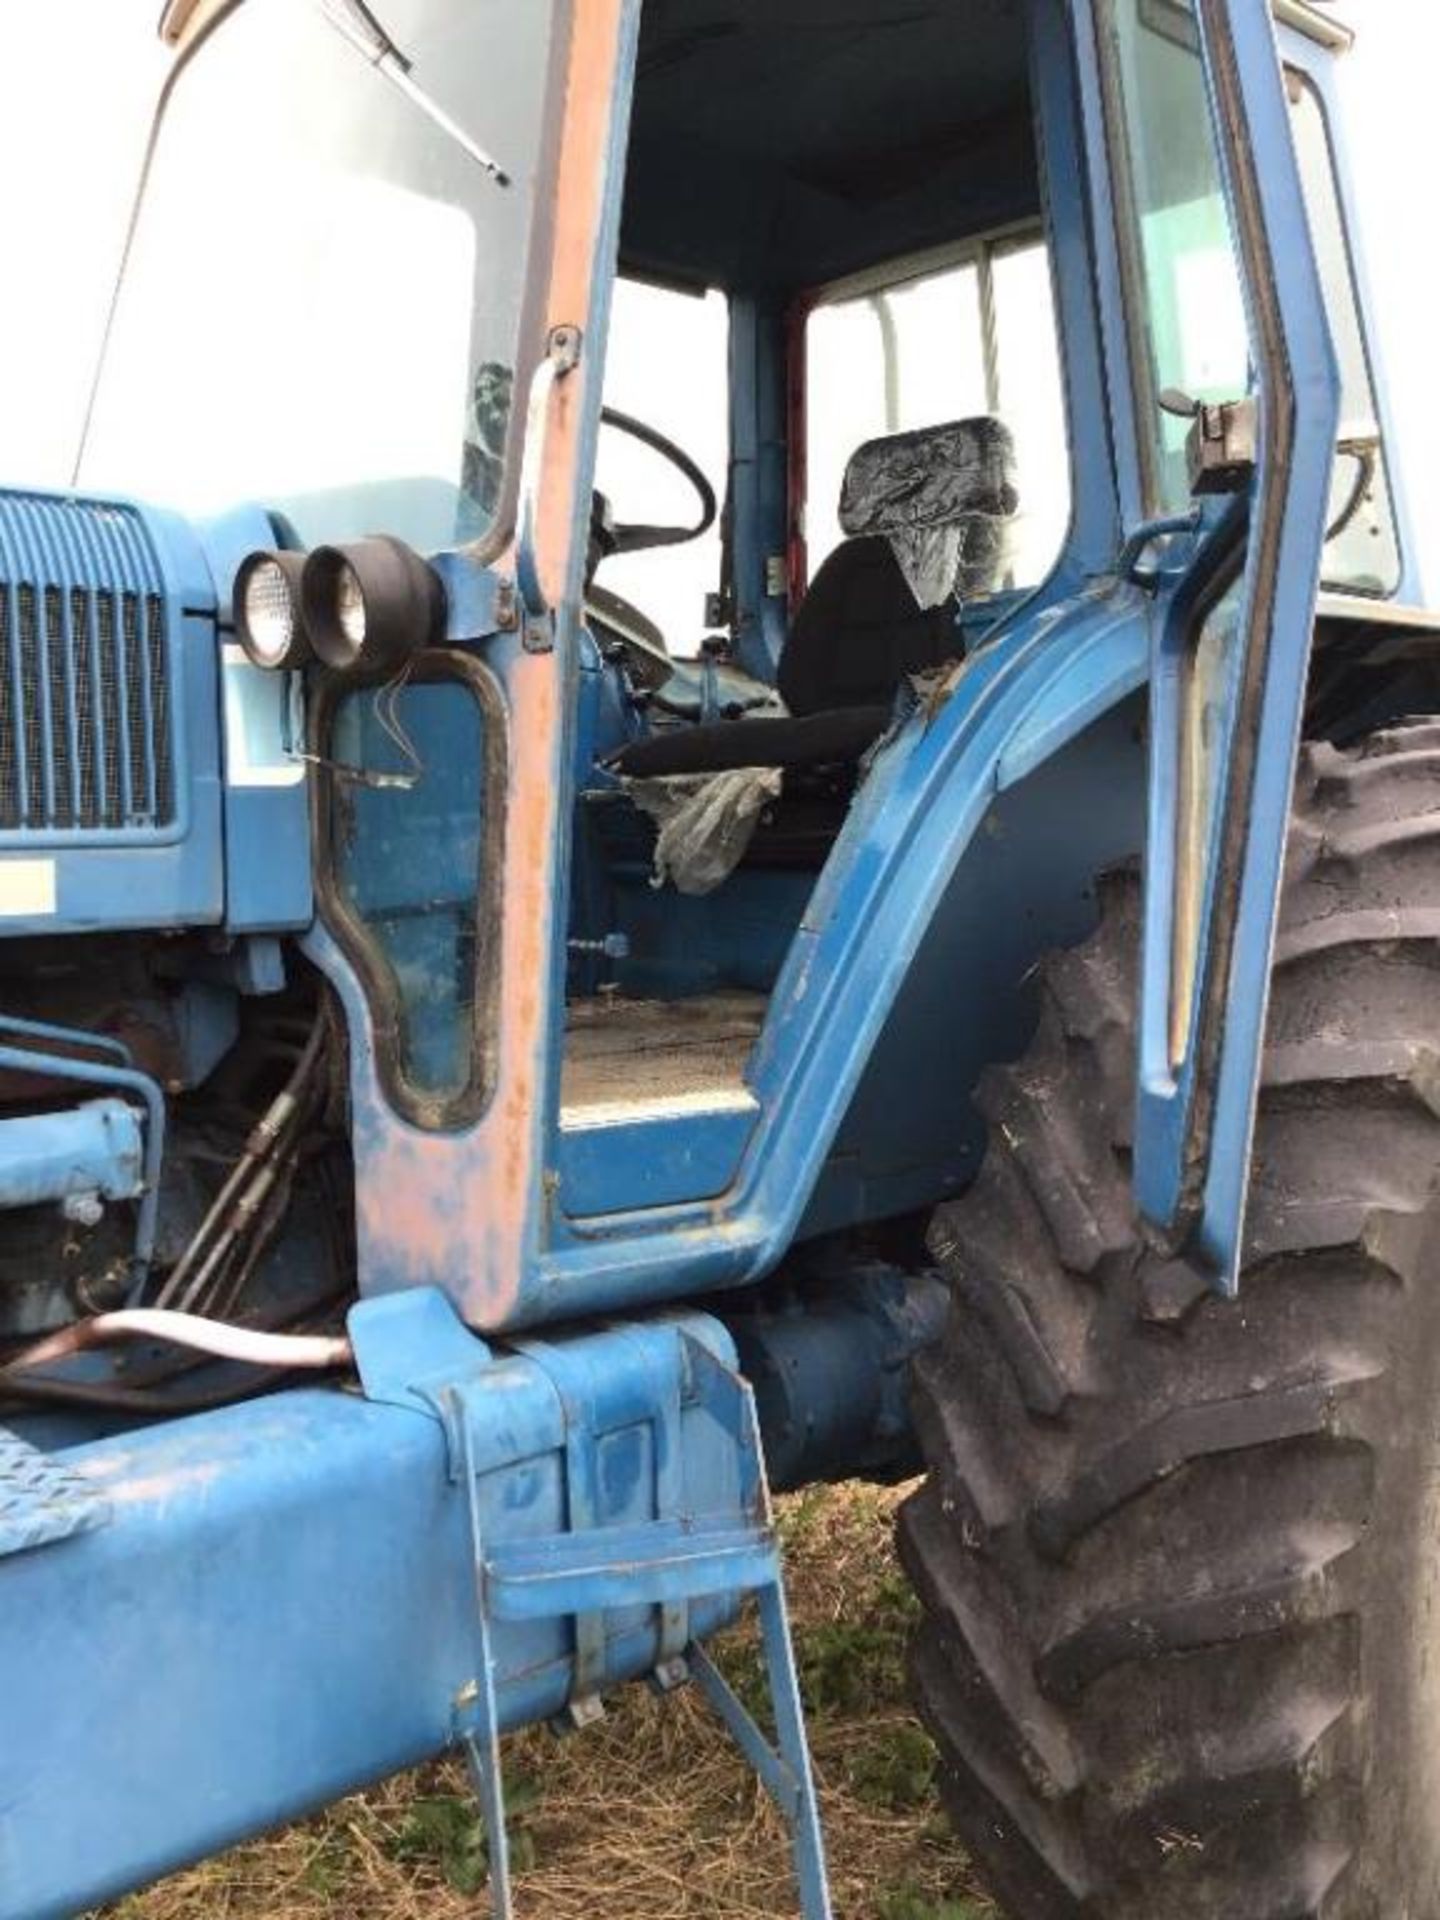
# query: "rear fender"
x,y
1013,706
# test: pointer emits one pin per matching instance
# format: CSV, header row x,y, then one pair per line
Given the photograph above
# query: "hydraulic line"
x,y
227,1298
246,1205
310,1352
105,1044
158,1387
234,1205
218,1263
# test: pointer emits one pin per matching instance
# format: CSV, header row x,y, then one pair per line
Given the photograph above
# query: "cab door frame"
x,y
1196,1091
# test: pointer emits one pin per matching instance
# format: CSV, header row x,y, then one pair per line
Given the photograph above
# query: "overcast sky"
x,y
79,77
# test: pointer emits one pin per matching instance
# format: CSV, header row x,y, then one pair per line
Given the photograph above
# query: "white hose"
x,y
319,1352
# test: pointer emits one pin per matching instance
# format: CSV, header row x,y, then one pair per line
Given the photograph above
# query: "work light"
x,y
268,623
369,605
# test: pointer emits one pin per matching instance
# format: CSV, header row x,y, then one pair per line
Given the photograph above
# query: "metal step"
x,y
666,1563
42,1501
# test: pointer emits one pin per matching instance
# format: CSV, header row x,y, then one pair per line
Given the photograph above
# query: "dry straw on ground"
x,y
651,1815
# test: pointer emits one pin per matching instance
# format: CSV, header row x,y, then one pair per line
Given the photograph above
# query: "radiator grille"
x,y
86,726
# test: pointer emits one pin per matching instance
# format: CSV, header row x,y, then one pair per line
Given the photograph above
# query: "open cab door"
x,y
1237,414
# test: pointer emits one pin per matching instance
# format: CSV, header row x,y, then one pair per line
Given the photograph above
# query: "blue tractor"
x,y
543,998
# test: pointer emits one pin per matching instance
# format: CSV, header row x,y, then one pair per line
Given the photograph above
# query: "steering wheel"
x,y
642,643
634,537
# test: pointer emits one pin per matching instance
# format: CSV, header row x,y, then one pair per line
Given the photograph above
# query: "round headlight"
x,y
267,610
350,607
369,605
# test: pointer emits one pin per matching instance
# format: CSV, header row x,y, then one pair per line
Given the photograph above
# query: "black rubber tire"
x,y
1179,1560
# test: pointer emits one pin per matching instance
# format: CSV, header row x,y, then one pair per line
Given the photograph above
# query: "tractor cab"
x,y
851,434
745,475
729,414
833,452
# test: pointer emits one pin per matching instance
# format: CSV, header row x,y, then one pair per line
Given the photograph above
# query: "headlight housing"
x,y
369,605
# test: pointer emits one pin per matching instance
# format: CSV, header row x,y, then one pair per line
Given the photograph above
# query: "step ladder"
x,y
666,1563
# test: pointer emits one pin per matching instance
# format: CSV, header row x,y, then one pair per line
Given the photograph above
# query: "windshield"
x,y
324,300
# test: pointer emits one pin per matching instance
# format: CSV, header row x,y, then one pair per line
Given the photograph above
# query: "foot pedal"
x,y
666,1563
42,1501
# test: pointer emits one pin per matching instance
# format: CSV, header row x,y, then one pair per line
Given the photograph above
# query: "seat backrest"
x,y
925,514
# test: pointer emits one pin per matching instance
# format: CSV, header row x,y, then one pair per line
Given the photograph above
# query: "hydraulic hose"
x,y
310,1352
201,1260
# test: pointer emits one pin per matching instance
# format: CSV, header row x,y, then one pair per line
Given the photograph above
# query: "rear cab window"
x,y
969,333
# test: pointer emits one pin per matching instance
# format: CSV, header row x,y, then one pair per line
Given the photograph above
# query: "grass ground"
x,y
650,1815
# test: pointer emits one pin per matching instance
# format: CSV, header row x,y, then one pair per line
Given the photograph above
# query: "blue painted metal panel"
x,y
912,1135
759,480
1115,397
616,1166
1083,292
269,884
283,1603
411,863
680,944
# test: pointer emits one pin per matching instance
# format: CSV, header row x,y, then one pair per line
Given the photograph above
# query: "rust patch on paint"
x,y
456,1210
590,105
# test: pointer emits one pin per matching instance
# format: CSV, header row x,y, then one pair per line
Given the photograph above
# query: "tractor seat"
x,y
925,514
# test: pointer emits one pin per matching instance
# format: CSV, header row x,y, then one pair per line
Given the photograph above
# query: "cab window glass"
x,y
1362,553
975,337
667,364
1031,396
366,286
1186,306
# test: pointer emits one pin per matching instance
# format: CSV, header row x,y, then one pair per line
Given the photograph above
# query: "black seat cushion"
x,y
857,634
812,740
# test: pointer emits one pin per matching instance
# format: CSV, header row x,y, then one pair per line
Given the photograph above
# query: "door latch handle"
x,y
1224,440
562,356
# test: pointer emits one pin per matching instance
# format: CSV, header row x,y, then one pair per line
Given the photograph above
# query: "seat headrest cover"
x,y
942,497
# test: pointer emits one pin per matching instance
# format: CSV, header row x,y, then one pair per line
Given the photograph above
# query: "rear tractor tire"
x,y
1179,1560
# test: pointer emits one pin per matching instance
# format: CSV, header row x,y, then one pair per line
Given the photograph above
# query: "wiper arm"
x,y
354,21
